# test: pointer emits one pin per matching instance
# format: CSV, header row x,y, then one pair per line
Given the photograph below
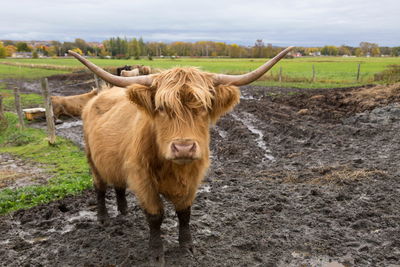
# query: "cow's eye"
x,y
161,110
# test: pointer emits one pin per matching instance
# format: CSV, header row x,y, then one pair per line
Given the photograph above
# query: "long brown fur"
x,y
71,106
127,133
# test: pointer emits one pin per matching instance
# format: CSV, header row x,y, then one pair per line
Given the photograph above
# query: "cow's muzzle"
x,y
184,150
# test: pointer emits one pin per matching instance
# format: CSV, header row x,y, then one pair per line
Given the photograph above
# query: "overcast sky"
x,y
280,22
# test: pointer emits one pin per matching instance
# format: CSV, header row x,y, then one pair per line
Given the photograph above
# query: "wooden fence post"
x,y
3,121
358,72
1,107
17,101
96,82
313,73
280,74
51,128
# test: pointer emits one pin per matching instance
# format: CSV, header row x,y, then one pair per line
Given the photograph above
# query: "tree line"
x,y
117,47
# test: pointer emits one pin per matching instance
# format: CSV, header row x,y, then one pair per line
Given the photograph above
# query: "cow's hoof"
x,y
188,248
123,211
157,260
103,219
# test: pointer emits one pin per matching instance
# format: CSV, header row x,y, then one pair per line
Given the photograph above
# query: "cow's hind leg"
x,y
121,200
100,187
102,213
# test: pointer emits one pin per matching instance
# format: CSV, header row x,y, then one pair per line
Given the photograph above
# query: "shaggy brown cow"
x,y
137,70
151,134
71,106
130,73
126,67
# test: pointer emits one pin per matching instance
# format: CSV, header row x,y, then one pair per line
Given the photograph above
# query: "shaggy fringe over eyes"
x,y
181,90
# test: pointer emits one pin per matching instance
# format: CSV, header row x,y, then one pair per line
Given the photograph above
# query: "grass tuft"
x,y
66,162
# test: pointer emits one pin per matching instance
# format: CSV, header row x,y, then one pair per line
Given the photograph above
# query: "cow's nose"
x,y
183,148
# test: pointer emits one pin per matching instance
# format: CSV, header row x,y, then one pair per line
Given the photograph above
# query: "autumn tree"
x,y
269,51
8,42
258,49
344,50
10,49
35,54
77,50
375,51
358,52
103,52
2,50
369,49
234,50
134,48
56,45
23,47
395,51
330,50
52,51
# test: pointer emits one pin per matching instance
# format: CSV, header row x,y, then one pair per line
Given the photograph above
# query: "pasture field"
x,y
15,72
331,72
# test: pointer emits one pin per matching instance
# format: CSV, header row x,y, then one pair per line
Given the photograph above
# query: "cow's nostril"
x,y
193,148
186,147
174,148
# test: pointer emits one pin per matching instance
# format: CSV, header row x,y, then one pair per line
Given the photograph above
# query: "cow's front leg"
x,y
185,237
153,208
155,242
121,200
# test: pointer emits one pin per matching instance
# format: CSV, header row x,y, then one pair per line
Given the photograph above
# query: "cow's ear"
x,y
142,96
225,98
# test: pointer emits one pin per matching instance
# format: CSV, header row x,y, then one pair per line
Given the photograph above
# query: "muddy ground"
x,y
299,178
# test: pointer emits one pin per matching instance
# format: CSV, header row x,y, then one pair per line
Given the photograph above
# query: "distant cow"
x,y
71,106
135,70
126,67
151,134
130,73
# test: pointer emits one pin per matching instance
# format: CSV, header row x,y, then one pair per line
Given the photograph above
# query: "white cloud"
x,y
284,22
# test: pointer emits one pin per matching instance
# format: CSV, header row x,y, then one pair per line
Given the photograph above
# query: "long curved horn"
x,y
110,78
247,78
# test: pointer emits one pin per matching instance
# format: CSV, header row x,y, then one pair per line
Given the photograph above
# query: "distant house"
x,y
315,54
22,54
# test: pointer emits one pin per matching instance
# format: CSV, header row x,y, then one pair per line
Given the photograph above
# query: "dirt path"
x,y
319,188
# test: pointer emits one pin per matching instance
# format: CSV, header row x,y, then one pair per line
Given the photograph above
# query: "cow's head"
x,y
182,103
57,106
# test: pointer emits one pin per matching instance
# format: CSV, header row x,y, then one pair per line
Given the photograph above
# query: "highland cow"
x,y
151,134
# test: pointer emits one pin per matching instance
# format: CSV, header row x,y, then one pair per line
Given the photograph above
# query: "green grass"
x,y
65,162
297,72
15,72
27,100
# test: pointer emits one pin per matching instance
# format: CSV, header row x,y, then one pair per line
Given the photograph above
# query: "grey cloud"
x,y
285,22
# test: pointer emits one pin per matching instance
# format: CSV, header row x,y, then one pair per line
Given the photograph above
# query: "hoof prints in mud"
x,y
330,196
